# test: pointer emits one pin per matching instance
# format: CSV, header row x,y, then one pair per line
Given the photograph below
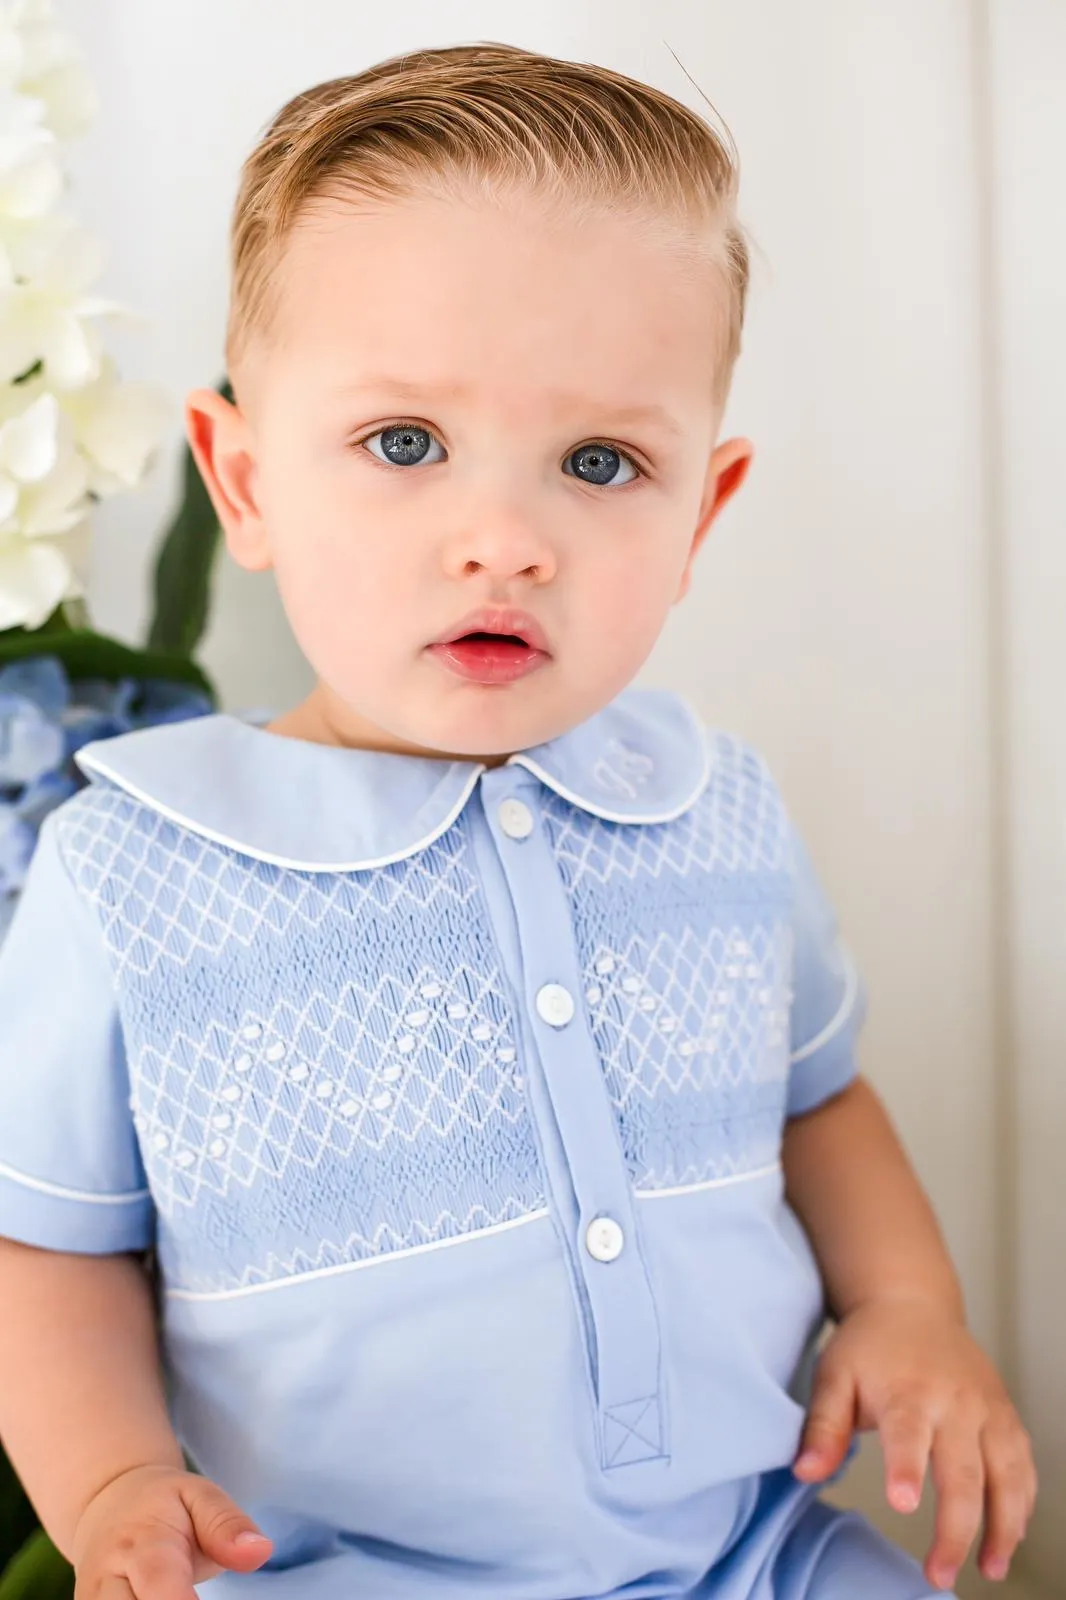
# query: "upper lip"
x,y
499,619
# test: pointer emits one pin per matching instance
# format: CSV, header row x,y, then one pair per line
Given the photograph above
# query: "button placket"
x,y
606,1255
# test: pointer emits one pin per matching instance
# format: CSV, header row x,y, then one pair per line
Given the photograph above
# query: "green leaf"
x,y
182,585
17,1516
38,1572
85,654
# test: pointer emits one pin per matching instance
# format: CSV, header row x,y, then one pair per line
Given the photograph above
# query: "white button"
x,y
516,819
604,1239
555,1004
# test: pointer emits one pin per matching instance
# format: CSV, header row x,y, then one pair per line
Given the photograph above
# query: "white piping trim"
x,y
92,764
61,1193
355,1266
847,1005
523,760
710,1183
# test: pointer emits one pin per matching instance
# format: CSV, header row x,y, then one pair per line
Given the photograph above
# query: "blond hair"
x,y
499,117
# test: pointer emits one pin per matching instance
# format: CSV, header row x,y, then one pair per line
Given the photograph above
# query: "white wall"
x,y
1027,104
842,615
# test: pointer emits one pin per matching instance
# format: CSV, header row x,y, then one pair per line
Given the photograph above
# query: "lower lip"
x,y
482,661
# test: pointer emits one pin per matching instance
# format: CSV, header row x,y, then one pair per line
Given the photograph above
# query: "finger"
x,y
959,1476
224,1532
115,1586
163,1570
906,1438
1009,1494
828,1430
109,1589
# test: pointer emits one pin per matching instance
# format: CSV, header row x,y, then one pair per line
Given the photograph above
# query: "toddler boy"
x,y
473,1043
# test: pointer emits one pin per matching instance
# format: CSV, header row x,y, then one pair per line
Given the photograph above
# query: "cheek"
x,y
333,578
331,548
337,584
637,582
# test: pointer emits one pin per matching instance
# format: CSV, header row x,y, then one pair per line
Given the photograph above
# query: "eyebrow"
x,y
657,415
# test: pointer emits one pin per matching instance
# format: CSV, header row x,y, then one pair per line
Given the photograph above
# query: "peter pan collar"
x,y
325,808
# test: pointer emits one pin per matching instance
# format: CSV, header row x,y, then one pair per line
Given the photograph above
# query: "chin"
x,y
492,724
500,728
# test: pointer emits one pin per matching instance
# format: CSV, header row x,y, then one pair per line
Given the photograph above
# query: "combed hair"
x,y
499,118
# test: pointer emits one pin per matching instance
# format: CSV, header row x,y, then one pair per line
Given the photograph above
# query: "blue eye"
x,y
598,463
404,445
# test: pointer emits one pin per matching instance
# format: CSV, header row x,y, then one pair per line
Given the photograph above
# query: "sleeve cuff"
x,y
53,1218
826,1064
823,1076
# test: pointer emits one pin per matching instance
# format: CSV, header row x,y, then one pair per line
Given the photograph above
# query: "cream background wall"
x,y
847,617
1027,175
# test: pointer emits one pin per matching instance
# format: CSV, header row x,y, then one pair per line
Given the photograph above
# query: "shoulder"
x,y
97,832
115,823
741,805
735,766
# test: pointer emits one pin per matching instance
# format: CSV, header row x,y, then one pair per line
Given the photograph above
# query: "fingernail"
x,y
248,1537
996,1570
809,1458
904,1497
944,1577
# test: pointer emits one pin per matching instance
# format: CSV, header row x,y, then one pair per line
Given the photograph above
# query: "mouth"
x,y
493,647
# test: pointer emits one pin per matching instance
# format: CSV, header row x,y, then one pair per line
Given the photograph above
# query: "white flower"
x,y
70,102
46,314
33,247
36,578
12,52
31,177
70,431
44,480
118,426
53,73
43,504
29,445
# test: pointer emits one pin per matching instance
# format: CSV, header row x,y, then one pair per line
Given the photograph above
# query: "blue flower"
x,y
44,719
31,703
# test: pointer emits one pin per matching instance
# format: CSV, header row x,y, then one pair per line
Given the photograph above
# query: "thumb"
x,y
829,1428
223,1531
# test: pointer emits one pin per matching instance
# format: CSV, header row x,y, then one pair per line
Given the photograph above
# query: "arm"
x,y
871,1226
82,1405
81,1393
901,1360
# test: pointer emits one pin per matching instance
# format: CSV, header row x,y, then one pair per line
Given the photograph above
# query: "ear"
x,y
726,471
222,445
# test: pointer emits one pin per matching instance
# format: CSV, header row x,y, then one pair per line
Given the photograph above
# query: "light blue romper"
x,y
452,1101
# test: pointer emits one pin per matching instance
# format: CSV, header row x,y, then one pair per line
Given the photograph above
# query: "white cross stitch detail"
x,y
385,1240
738,824
282,1115
179,891
661,1021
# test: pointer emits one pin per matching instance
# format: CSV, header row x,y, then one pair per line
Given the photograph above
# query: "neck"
x,y
323,719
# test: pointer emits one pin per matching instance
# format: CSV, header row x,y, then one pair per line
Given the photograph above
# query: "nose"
x,y
498,539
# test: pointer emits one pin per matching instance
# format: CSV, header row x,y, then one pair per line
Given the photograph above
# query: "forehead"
x,y
495,297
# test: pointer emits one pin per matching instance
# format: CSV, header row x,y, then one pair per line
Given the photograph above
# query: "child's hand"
x,y
155,1531
915,1374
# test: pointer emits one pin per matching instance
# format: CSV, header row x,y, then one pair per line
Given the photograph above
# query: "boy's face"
x,y
416,458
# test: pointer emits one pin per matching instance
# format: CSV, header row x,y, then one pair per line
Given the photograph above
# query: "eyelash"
x,y
406,422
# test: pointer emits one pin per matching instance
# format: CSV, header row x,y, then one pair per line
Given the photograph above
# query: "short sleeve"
x,y
828,1003
71,1176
